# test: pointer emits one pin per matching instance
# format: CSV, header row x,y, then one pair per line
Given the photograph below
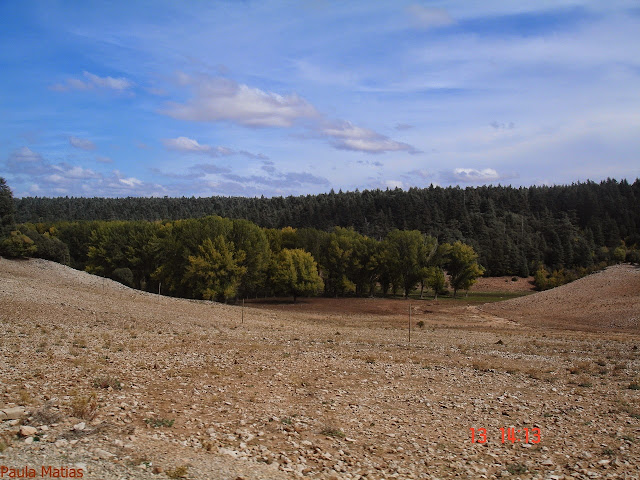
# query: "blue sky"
x,y
251,98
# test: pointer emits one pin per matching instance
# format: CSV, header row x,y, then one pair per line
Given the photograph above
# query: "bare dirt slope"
x,y
120,383
607,300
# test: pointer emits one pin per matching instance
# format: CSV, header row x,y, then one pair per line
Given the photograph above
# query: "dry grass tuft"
x,y
84,406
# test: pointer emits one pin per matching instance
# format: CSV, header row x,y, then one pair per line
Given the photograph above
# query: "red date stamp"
x,y
509,434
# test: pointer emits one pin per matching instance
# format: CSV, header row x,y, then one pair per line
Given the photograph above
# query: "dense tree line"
x,y
513,230
221,259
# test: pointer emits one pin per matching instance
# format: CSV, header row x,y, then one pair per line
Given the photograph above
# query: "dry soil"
x,y
124,384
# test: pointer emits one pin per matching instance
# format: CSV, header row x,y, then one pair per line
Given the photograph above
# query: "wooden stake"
x,y
243,310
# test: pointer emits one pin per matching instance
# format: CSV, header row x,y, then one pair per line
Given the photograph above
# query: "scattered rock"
x,y
103,454
28,431
13,413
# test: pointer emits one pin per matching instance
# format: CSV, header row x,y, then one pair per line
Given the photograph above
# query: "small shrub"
x,y
608,452
581,367
516,468
420,324
482,366
107,382
634,386
84,406
46,416
332,432
159,422
178,472
79,342
123,275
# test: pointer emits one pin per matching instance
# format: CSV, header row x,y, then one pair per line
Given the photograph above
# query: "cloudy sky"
x,y
276,97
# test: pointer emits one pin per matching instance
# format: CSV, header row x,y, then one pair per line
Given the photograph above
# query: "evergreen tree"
x,y
7,209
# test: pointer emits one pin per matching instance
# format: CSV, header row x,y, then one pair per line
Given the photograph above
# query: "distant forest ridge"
x,y
512,229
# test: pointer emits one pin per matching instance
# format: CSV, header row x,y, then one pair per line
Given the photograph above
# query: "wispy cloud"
x,y
346,136
428,17
189,145
503,125
475,176
45,177
185,144
91,82
220,99
82,143
24,160
421,175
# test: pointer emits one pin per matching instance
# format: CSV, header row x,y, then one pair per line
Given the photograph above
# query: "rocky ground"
x,y
115,383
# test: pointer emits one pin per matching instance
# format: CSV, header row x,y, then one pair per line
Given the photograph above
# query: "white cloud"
x,y
185,144
131,182
93,81
472,175
25,156
417,174
219,99
25,161
393,184
82,143
428,17
347,136
189,145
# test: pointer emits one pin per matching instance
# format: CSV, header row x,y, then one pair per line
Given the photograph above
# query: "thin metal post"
x,y
409,323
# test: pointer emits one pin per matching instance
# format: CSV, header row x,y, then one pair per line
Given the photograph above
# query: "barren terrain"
x,y
125,384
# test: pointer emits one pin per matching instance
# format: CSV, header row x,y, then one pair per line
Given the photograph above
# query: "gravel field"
x,y
99,379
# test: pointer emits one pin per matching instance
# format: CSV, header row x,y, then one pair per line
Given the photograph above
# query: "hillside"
x,y
122,384
607,300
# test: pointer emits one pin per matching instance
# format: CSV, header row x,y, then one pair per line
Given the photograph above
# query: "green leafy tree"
x,y
123,275
541,278
252,241
436,280
295,273
463,267
620,253
47,245
337,259
109,248
407,254
17,245
215,273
